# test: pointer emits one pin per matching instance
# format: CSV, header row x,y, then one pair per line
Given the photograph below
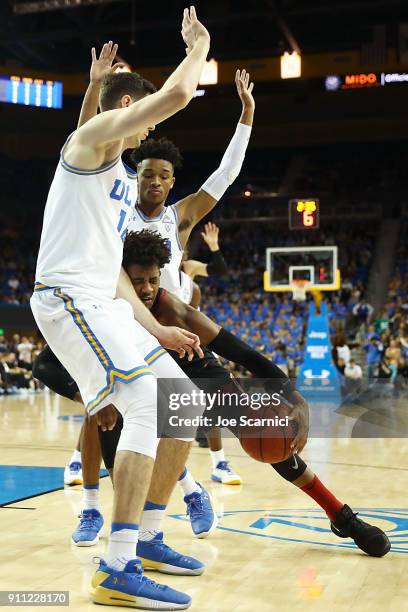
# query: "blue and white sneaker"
x,y
132,589
73,474
224,473
156,555
202,515
89,528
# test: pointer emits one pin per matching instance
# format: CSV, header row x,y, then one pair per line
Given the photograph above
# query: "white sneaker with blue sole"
x,y
73,474
224,473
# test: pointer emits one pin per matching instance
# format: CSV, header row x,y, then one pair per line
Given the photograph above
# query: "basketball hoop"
x,y
299,287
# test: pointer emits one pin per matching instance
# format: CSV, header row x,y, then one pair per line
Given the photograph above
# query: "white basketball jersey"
x,y
85,223
186,288
166,224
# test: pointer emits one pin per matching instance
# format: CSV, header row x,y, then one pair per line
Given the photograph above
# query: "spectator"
x,y
341,349
381,324
353,374
353,371
14,376
374,350
363,311
393,354
3,344
384,370
24,350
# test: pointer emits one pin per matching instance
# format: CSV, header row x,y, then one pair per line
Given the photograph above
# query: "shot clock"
x,y
303,214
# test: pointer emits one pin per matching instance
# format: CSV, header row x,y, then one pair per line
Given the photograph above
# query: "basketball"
x,y
268,442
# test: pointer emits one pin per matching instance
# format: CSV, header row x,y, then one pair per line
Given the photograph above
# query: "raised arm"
x,y
216,266
100,67
195,206
88,145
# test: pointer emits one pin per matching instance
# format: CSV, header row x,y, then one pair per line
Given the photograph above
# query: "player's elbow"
x,y
180,96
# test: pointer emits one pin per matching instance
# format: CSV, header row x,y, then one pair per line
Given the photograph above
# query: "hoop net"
x,y
299,287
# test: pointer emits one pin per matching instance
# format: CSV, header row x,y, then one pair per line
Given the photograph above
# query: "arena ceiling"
x,y
148,32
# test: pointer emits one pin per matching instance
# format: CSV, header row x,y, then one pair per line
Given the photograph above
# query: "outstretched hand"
x,y
245,88
192,29
102,65
210,236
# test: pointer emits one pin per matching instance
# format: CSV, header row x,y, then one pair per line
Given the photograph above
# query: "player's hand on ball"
x,y
244,88
107,417
300,414
180,340
210,236
103,65
193,30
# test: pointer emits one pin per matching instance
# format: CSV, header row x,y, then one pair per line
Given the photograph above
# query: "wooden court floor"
x,y
272,551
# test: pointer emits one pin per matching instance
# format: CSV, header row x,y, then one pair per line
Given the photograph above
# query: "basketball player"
x,y
94,335
145,254
203,522
156,163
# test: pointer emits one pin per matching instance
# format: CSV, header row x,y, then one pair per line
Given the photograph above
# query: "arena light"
x,y
209,74
41,6
291,65
199,93
393,77
125,68
31,92
335,82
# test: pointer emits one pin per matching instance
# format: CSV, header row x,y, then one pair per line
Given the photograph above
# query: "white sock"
x,y
121,548
76,457
188,484
216,457
90,497
151,521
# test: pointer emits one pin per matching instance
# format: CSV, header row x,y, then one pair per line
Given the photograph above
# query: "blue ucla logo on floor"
x,y
312,526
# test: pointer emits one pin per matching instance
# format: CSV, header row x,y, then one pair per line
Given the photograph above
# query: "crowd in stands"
x,y
386,338
272,324
16,358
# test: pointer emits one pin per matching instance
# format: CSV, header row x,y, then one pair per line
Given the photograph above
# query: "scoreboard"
x,y
303,214
30,92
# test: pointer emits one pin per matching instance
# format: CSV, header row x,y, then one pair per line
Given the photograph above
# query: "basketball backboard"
x,y
316,265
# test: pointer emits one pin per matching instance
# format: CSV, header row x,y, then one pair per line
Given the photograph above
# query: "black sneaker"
x,y
203,442
369,539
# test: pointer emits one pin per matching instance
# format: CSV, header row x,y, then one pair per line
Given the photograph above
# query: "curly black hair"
x,y
145,248
158,149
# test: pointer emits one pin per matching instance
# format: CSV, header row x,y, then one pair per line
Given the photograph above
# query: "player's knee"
x,y
40,366
290,469
138,406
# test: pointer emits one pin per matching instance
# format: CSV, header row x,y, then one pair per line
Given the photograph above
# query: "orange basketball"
x,y
269,434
